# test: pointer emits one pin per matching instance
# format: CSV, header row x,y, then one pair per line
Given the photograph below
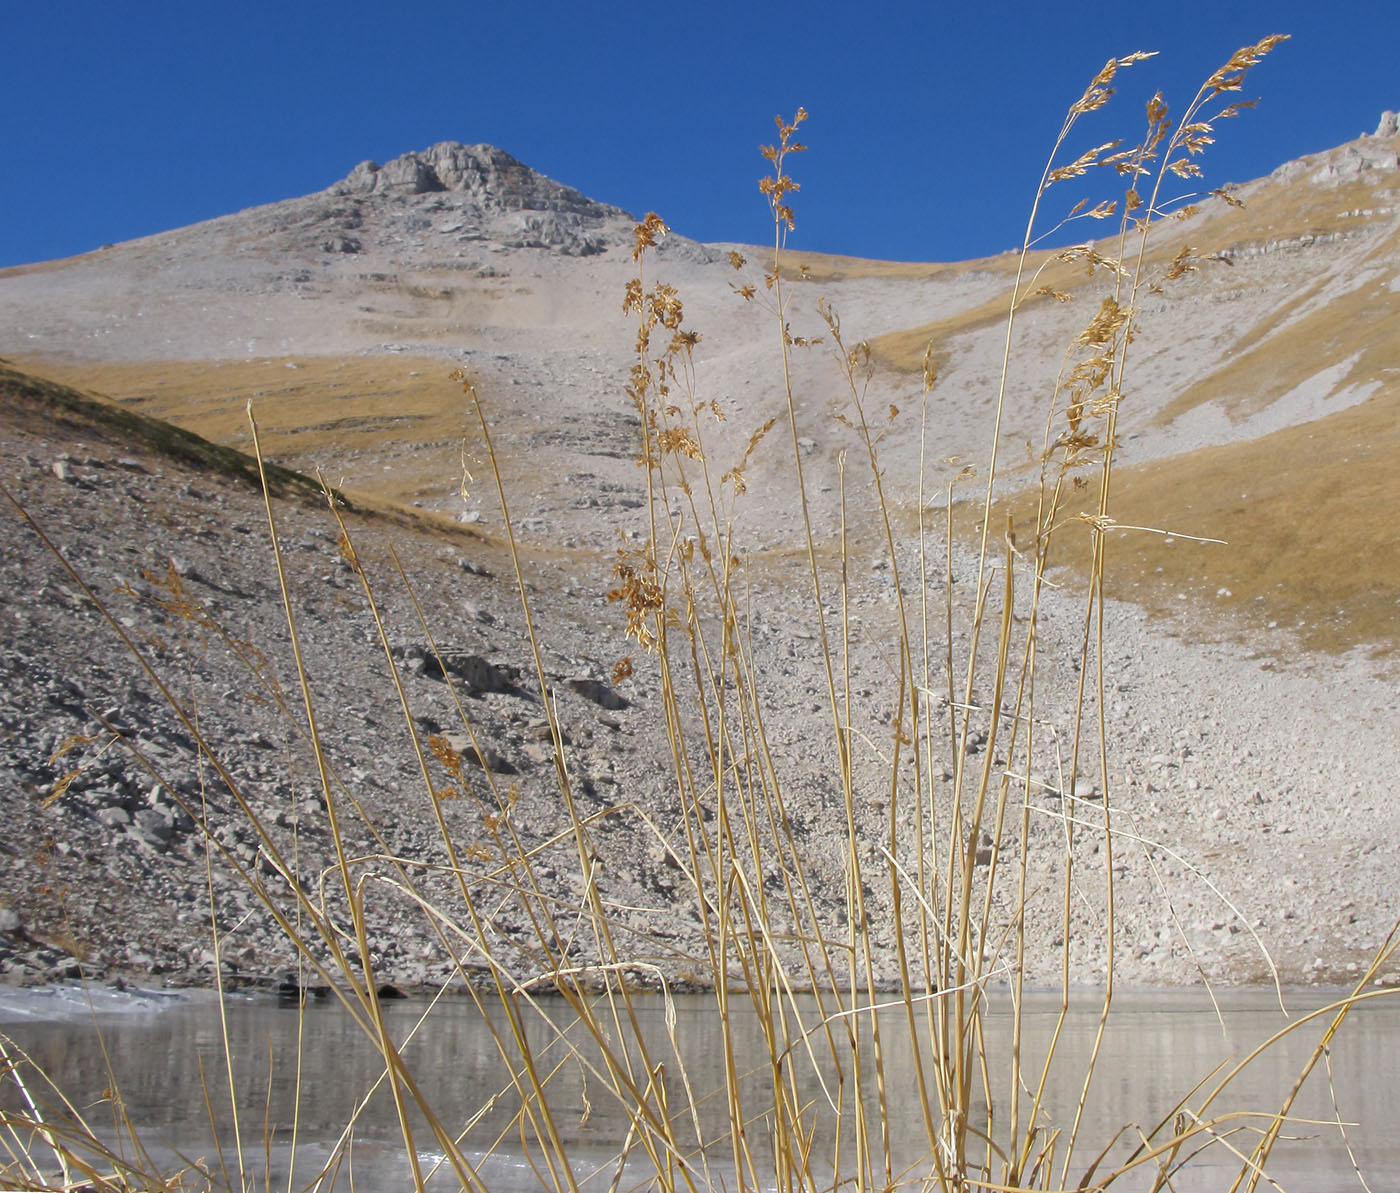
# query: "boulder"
x,y
600,693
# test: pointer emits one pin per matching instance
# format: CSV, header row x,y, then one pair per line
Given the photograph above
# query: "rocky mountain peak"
x,y
491,177
492,197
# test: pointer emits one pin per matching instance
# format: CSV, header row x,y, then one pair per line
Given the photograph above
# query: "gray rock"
x,y
1389,125
480,674
423,661
361,179
114,817
153,827
490,176
476,613
602,694
485,758
9,920
491,195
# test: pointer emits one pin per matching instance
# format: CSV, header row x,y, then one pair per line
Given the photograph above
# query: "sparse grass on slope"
x,y
27,397
1304,510
1278,210
903,351
310,409
1281,354
832,267
1306,548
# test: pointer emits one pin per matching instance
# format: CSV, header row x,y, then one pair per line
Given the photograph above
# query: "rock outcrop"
x,y
523,208
492,177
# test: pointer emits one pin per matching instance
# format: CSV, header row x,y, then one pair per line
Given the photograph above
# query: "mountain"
x,y
342,311
1250,707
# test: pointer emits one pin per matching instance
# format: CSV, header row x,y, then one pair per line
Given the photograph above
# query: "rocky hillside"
x,y
1250,710
163,560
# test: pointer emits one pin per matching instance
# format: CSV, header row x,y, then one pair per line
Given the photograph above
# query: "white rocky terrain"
x,y
1250,702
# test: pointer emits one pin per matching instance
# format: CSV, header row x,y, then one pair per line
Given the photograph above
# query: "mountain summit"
x,y
520,207
492,177
493,196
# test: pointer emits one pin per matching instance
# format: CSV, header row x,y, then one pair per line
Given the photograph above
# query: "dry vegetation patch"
x,y
832,267
1309,548
347,415
1364,324
44,405
1278,211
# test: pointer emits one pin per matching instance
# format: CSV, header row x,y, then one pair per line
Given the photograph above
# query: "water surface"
x,y
166,1052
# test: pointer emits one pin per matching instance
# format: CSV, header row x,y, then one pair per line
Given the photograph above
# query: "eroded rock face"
x,y
491,176
1389,125
505,199
1352,161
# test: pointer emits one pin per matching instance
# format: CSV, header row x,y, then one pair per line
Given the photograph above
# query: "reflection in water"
x,y
1159,1046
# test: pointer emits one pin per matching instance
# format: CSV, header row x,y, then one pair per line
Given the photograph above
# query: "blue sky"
x,y
929,121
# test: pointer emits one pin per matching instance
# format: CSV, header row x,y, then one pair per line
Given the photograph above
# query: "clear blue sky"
x,y
929,121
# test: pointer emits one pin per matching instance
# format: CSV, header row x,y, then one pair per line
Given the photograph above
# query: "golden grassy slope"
x,y
30,401
1308,510
903,350
832,267
1307,513
341,414
1278,210
1281,353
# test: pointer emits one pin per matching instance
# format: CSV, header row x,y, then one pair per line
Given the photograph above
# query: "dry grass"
x,y
1309,551
355,413
1283,210
831,267
1276,211
1297,343
44,403
14,271
1045,274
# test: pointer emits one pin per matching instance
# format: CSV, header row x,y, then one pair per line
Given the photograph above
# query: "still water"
x,y
166,1051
